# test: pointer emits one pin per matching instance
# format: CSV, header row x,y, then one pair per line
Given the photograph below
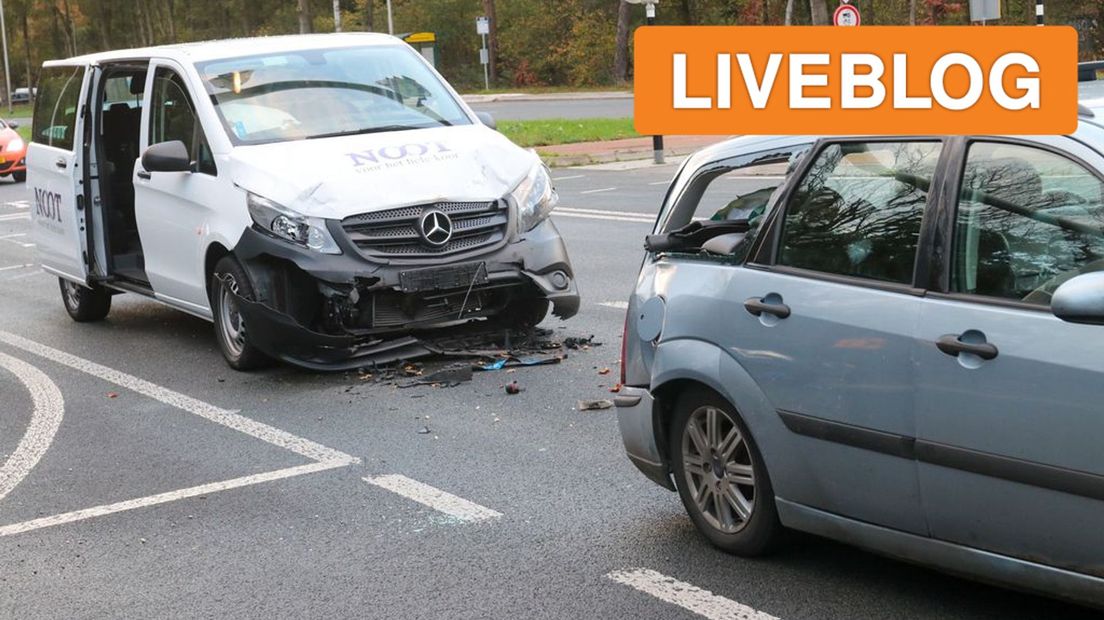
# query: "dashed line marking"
x,y
619,305
685,595
230,419
13,267
49,406
11,217
659,183
441,501
570,176
164,498
597,191
19,204
650,216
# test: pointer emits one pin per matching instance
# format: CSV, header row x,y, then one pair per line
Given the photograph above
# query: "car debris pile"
x,y
472,349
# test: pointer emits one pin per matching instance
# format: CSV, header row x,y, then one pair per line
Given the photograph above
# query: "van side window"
x,y
857,211
1028,220
173,117
55,114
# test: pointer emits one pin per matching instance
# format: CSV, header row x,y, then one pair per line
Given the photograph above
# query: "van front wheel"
x,y
229,282
84,304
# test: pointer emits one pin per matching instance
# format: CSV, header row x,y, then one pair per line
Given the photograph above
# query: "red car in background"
x,y
13,153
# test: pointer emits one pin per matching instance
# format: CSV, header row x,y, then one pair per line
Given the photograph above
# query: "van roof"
x,y
228,48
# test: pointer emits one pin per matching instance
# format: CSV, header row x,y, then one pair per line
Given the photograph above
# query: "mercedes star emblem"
x,y
436,228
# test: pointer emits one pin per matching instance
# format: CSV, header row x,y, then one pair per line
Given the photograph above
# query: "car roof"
x,y
230,48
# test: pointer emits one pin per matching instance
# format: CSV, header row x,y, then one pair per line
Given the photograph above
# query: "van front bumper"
x,y
341,311
636,420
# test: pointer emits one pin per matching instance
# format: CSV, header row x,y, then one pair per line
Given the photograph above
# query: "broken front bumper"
x,y
334,312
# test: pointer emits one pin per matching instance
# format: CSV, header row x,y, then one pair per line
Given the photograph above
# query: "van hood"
x,y
338,177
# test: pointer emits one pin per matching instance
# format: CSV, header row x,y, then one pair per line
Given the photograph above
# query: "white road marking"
x,y
689,597
659,183
596,191
227,418
49,406
570,176
15,236
456,507
620,305
610,218
19,204
12,267
164,498
755,177
14,239
11,217
650,216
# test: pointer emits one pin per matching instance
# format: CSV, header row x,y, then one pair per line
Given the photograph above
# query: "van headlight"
x,y
309,232
535,198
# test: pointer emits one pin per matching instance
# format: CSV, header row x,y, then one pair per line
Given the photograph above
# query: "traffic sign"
x,y
846,15
482,25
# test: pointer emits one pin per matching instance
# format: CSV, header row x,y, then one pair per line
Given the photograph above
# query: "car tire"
x,y
728,493
524,313
228,278
84,305
19,176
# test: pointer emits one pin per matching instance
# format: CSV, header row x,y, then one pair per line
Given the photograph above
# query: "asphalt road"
x,y
529,109
155,482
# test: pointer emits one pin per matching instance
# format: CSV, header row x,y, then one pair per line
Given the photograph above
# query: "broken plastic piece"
x,y
594,405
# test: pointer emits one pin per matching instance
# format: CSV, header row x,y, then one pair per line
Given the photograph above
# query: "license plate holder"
x,y
443,278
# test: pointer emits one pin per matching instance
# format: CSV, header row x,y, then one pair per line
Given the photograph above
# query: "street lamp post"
x,y
4,41
650,13
390,21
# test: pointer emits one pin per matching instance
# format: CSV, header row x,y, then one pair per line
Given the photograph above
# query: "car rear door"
x,y
1010,399
55,166
823,319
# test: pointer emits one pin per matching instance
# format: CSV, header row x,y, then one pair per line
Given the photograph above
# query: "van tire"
x,y
230,331
761,530
84,305
19,176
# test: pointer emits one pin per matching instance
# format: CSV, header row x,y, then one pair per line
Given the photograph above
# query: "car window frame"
x,y
193,106
764,253
940,277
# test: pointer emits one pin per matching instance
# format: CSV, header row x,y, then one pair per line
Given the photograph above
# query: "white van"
x,y
308,194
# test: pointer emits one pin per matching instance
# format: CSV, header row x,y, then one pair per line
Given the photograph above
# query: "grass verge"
x,y
547,132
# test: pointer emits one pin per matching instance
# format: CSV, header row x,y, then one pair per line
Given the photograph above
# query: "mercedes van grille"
x,y
395,233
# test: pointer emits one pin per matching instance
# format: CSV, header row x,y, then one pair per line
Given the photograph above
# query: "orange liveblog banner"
x,y
918,80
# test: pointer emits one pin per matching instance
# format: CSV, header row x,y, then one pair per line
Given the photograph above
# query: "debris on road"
x,y
594,405
424,430
112,395
451,376
604,371
616,388
511,361
513,388
576,343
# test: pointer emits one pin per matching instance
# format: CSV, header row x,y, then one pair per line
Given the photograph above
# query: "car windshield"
x,y
327,92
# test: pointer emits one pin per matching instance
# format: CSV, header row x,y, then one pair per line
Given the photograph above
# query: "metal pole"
x,y
337,15
486,66
7,72
1039,12
657,141
390,21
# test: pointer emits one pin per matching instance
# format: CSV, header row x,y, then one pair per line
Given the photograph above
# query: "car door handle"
x,y
758,307
952,344
61,163
142,174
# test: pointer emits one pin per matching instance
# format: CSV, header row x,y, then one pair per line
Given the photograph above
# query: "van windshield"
x,y
322,93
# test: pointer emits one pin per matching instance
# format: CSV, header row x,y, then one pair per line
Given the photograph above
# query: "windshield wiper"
x,y
365,130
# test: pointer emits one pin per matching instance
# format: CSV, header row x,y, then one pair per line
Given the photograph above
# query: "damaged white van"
x,y
311,195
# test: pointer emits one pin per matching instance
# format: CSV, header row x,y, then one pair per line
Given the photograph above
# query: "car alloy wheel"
x,y
719,471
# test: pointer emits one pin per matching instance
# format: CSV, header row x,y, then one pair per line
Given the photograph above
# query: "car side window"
x,y
173,117
1028,220
55,114
858,209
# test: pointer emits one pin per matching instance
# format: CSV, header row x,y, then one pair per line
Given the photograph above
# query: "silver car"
x,y
888,341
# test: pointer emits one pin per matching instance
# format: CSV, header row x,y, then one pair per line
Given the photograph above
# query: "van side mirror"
x,y
487,119
171,156
1080,299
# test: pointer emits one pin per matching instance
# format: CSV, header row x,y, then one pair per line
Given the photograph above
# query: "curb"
x,y
553,160
502,97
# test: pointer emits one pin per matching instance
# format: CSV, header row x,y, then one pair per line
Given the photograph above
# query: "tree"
x,y
912,12
819,11
789,12
621,56
304,16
